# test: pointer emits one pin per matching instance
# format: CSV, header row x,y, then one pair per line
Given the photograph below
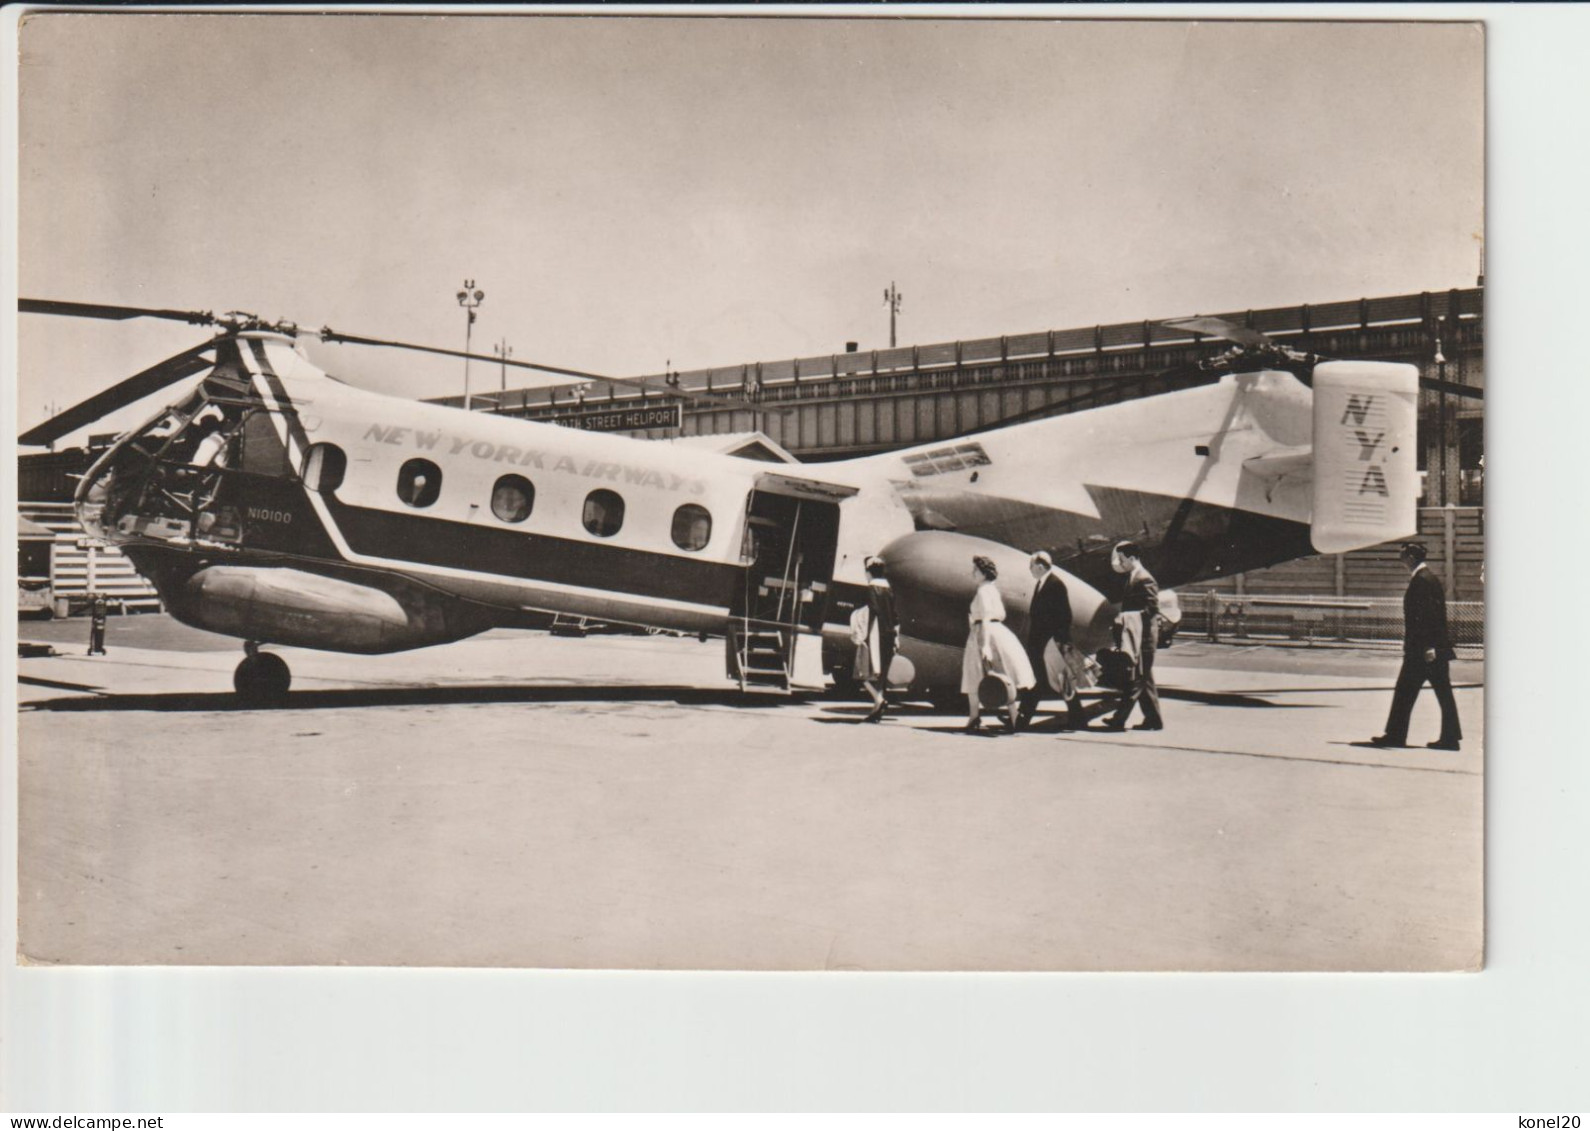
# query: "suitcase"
x,y
1115,669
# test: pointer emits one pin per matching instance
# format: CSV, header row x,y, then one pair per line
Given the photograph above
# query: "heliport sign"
x,y
627,419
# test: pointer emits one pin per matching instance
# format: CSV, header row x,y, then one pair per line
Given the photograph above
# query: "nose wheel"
x,y
262,679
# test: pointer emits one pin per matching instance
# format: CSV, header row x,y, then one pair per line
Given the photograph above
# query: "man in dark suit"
x,y
1142,597
1426,656
1048,618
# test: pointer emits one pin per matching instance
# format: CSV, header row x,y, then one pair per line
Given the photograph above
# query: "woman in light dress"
x,y
991,649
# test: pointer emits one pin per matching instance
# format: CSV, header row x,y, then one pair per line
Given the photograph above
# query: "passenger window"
x,y
324,467
604,512
692,528
419,483
512,498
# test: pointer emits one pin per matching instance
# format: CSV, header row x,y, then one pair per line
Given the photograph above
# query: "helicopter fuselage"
x,y
277,504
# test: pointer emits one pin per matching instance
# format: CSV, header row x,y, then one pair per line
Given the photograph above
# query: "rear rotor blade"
x,y
1220,328
327,334
134,388
114,313
1452,388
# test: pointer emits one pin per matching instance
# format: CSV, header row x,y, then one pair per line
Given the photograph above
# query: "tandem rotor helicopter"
x,y
274,503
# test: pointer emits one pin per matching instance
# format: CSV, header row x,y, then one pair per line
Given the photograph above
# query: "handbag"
x,y
993,692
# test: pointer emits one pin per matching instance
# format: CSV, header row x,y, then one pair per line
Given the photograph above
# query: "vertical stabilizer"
x,y
1366,478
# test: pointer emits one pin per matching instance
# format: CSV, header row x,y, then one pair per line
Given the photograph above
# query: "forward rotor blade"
x,y
136,387
327,334
114,313
1220,328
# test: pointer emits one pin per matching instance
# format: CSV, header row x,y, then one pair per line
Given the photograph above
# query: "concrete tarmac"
x,y
608,802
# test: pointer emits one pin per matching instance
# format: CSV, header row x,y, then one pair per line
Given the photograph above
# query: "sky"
x,y
634,192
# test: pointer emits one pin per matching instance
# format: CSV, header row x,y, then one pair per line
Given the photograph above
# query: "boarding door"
x,y
791,533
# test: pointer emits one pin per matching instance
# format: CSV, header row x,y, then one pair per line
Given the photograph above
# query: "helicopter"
x,y
274,503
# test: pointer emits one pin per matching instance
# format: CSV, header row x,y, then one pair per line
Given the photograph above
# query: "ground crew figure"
x,y
96,625
1426,656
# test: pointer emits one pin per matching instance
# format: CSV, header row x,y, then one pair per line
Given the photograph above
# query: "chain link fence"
x,y
1231,616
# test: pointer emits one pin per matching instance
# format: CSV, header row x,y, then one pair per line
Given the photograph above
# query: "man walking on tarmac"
x,y
1142,600
1048,621
1426,656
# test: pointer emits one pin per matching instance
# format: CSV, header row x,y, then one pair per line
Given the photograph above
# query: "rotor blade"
x,y
1220,328
116,313
327,334
1451,387
134,388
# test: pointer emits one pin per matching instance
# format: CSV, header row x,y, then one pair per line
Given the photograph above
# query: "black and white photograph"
x,y
683,492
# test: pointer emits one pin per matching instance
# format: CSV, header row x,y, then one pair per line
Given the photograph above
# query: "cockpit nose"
x,y
164,481
89,502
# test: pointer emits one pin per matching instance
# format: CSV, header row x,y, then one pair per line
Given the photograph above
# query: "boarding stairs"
x,y
764,657
762,646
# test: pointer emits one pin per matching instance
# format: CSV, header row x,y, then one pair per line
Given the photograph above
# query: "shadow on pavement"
x,y
58,684
416,697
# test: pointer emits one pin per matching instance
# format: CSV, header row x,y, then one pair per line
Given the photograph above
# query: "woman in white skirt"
x,y
992,649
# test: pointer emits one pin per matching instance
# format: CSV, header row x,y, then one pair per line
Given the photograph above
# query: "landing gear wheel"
x,y
262,680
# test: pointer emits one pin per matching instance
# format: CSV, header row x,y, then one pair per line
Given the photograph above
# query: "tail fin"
x,y
1366,479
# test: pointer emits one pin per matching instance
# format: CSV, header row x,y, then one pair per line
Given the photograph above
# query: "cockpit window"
x,y
263,452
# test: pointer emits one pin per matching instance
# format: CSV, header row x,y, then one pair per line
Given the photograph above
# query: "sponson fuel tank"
x,y
931,574
293,607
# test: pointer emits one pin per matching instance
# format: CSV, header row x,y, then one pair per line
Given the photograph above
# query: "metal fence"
x,y
1231,616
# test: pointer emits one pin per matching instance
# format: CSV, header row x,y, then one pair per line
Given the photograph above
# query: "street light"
x,y
891,299
504,351
469,298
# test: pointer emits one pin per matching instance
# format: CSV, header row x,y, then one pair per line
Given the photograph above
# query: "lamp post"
x,y
468,298
504,351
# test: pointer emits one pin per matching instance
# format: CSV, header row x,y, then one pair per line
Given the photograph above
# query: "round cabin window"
x,y
419,482
692,528
513,498
604,512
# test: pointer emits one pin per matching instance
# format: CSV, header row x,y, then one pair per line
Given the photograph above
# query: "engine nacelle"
x,y
293,607
933,582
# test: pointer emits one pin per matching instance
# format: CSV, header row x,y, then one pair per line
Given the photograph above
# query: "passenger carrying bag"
x,y
1115,669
